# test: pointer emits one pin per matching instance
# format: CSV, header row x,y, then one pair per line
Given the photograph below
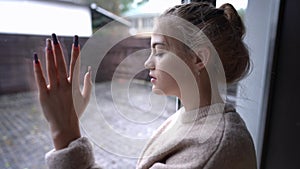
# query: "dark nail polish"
x,y
48,44
36,59
75,41
54,38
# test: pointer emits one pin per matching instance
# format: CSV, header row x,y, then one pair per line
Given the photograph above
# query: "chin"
x,y
158,91
162,92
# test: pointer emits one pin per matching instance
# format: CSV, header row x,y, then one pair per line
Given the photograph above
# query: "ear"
x,y
202,58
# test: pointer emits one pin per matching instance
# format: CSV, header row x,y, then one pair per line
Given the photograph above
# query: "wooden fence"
x,y
16,51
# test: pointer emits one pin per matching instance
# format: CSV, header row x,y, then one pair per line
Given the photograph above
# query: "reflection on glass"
x,y
24,133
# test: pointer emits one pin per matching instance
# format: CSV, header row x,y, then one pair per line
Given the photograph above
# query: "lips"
x,y
153,78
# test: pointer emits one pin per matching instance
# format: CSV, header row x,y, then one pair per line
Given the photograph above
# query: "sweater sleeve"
x,y
78,155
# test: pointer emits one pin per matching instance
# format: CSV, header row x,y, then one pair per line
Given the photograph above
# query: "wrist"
x,y
63,137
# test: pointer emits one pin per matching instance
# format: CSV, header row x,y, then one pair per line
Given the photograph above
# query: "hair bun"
x,y
234,18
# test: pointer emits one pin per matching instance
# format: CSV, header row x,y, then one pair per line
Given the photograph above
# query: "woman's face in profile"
x,y
167,70
160,65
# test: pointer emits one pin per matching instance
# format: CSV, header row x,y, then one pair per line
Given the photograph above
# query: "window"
x,y
148,22
25,137
253,92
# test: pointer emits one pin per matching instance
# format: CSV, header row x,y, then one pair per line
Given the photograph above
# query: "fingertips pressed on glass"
x,y
54,38
35,58
48,44
75,41
90,71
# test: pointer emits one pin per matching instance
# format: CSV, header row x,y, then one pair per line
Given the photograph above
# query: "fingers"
x,y
87,85
60,60
75,62
39,76
51,67
56,65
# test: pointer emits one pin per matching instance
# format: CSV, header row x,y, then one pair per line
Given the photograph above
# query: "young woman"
x,y
196,49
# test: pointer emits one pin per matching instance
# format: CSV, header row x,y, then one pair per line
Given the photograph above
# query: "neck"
x,y
206,95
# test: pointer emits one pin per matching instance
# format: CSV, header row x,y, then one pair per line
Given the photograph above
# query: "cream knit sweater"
x,y
207,138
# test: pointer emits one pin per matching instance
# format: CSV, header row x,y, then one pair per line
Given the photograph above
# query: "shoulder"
x,y
236,131
221,142
218,141
236,149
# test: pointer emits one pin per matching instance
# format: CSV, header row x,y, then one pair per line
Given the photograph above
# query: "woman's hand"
x,y
62,100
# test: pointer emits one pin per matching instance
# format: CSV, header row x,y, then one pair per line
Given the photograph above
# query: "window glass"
x,y
24,132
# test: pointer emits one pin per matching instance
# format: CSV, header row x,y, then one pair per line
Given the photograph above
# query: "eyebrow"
x,y
158,43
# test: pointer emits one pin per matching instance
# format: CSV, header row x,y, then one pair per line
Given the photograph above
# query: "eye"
x,y
159,53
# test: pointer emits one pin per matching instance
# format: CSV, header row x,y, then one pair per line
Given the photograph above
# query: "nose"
x,y
149,63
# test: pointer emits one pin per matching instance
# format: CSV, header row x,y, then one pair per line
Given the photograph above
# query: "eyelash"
x,y
159,54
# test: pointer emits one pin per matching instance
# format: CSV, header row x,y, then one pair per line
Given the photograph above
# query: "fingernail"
x,y
48,44
54,37
90,73
36,59
89,69
75,41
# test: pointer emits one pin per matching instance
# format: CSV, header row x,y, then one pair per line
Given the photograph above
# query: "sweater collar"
x,y
197,114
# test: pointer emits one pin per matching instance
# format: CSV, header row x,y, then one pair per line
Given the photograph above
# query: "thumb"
x,y
87,85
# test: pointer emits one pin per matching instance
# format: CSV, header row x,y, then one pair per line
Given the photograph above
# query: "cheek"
x,y
176,74
166,78
167,63
173,68
165,84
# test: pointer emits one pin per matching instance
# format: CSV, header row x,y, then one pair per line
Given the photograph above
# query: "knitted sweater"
x,y
207,138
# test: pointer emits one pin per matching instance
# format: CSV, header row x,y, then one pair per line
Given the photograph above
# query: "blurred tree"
x,y
142,2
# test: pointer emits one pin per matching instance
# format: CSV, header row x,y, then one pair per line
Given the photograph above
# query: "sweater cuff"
x,y
79,155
